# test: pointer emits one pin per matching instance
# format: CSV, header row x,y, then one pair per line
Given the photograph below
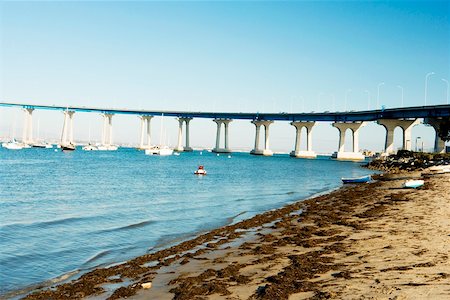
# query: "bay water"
x,y
65,213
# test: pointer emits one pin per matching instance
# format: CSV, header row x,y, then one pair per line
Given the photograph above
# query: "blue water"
x,y
62,212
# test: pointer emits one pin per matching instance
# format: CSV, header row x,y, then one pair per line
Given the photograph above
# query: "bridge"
x,y
405,118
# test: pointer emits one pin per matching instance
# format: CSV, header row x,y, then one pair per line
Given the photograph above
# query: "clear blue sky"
x,y
224,56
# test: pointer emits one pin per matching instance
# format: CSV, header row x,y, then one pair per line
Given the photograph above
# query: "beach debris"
x,y
146,285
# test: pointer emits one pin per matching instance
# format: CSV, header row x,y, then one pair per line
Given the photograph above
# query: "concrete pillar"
x,y
143,121
258,129
187,147
341,140
439,144
266,151
226,124
180,135
297,152
145,132
266,137
390,125
219,123
27,133
341,154
110,133
298,136
107,130
309,138
149,131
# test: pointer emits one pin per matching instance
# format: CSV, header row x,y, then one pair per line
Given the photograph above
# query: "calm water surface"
x,y
69,212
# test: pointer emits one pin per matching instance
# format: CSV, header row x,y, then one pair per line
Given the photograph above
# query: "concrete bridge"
x,y
405,118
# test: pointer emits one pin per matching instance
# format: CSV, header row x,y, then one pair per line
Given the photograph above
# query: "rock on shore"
x,y
405,161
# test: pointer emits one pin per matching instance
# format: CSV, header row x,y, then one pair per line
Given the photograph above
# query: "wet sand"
x,y
371,241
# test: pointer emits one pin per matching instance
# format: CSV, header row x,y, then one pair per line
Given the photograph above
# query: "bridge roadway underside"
x,y
435,111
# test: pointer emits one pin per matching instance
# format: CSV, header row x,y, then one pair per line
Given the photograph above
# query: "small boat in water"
x,y
413,183
159,150
68,147
362,179
200,171
13,145
90,147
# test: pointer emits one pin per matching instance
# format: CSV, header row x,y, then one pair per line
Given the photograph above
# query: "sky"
x,y
256,56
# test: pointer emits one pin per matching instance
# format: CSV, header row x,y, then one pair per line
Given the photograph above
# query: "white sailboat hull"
x,y
164,151
12,146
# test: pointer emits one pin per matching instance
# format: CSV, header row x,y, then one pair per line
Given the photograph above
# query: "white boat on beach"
x,y
413,183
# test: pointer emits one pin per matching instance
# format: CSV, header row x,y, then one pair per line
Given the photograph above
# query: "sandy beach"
x,y
371,241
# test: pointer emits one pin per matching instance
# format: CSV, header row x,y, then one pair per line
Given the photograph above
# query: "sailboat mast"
x,y
161,131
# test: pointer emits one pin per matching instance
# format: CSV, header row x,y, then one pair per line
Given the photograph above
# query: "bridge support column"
x,y
439,126
27,134
266,151
298,129
219,123
67,132
145,132
107,141
180,147
341,154
390,125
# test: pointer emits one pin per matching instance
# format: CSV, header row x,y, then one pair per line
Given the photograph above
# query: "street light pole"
x,y
400,87
346,95
334,102
368,99
378,94
426,85
318,101
446,81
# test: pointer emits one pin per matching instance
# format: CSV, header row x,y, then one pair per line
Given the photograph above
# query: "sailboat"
x,y
90,147
13,144
66,146
40,144
162,150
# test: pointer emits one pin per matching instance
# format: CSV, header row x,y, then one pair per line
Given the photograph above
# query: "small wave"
x,y
127,227
48,223
96,257
231,219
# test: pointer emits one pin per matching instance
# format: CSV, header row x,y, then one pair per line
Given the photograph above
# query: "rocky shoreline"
x,y
407,161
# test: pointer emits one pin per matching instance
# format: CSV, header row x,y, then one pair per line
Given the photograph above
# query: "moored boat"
x,y
68,147
361,179
90,147
13,145
413,183
159,150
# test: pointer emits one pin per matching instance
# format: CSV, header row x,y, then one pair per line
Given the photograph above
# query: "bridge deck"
x,y
434,111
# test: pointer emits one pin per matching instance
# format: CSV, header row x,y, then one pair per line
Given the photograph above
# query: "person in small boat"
x,y
201,170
